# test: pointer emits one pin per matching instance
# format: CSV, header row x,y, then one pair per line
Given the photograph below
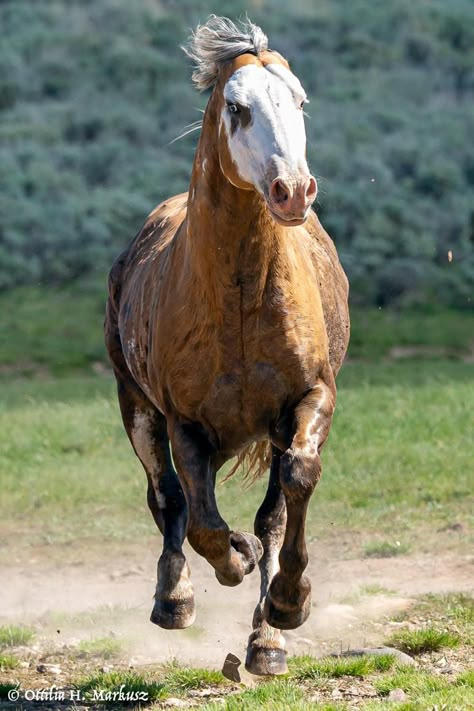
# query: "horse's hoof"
x,y
249,547
287,608
173,615
263,661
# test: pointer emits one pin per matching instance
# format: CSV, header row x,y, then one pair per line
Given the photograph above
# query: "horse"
x,y
226,324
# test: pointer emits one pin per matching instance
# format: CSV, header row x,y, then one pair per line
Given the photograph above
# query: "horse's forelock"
x,y
218,41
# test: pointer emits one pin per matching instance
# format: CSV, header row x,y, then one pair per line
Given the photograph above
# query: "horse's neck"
x,y
230,238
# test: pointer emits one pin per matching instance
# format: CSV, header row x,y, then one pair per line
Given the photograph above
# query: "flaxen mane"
x,y
218,41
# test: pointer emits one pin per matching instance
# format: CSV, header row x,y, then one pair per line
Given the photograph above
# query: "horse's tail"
x,y
254,462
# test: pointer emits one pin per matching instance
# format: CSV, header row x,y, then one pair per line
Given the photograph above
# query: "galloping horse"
x,y
227,322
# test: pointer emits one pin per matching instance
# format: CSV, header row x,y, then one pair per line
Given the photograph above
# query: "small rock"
x,y
397,695
452,527
48,669
105,669
178,703
447,669
336,694
24,665
231,668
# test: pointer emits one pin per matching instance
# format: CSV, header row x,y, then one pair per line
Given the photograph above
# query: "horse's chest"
x,y
265,374
237,374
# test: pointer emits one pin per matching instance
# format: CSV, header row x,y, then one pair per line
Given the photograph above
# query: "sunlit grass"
x,y
307,667
102,647
181,679
378,468
8,661
411,680
424,640
15,636
108,687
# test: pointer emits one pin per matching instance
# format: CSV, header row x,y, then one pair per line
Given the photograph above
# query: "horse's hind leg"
x,y
146,428
266,648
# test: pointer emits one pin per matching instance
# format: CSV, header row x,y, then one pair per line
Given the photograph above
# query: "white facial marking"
x,y
273,140
204,163
142,440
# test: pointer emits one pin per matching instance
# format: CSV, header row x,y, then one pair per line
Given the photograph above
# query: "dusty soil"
x,y
69,595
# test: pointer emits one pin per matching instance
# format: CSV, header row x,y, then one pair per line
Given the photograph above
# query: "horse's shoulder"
x,y
172,209
334,289
156,233
162,222
323,250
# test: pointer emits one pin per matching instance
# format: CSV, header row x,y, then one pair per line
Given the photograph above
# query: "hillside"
x,y
92,93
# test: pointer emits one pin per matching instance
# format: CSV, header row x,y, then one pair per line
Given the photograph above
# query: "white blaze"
x,y
275,139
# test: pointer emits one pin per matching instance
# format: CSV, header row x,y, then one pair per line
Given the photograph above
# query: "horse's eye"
x,y
302,104
233,108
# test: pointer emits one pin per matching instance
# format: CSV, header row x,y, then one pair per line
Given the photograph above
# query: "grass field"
x,y
397,467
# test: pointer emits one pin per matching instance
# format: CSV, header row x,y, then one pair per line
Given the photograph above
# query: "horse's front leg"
x,y
231,553
266,647
288,601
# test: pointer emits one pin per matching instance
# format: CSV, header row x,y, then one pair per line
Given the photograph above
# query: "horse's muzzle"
x,y
289,199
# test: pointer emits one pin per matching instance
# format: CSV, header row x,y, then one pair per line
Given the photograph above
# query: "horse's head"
x,y
261,132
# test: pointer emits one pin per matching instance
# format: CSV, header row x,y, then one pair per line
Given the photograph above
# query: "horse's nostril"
x,y
311,189
279,192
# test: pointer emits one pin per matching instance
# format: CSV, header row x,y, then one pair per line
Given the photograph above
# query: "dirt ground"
x,y
68,595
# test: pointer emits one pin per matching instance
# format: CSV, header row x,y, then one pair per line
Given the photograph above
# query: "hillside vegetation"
x,y
92,93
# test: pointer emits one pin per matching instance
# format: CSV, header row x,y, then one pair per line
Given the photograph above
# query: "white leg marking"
x,y
142,439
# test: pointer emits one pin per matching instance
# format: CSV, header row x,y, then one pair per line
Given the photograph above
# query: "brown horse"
x,y
227,322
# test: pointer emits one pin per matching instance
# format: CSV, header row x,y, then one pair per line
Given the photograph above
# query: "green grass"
x,y
458,607
58,330
64,441
432,334
102,647
306,667
385,549
374,589
466,679
182,679
112,683
8,661
412,680
427,691
14,636
277,695
424,640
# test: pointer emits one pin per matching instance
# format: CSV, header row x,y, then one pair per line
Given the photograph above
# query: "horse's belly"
x,y
242,405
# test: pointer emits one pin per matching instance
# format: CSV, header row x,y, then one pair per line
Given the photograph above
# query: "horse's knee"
x,y
300,471
270,526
